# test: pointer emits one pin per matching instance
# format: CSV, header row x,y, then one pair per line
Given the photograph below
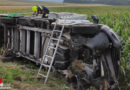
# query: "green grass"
x,y
23,73
116,17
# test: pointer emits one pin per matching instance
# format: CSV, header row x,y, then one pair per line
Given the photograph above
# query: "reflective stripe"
x,y
40,7
46,15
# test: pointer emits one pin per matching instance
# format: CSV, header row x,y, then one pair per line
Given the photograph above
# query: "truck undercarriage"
x,y
88,54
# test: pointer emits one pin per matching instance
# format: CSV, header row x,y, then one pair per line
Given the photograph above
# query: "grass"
x,y
21,74
116,17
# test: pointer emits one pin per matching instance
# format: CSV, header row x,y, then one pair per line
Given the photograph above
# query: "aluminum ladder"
x,y
52,57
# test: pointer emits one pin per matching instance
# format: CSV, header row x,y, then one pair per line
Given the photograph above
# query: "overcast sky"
x,y
51,0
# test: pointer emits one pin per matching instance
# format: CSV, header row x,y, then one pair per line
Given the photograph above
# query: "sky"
x,y
51,0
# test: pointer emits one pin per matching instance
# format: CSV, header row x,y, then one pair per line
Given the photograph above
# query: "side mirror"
x,y
95,19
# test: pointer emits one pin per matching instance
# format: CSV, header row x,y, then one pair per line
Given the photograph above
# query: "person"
x,y
41,10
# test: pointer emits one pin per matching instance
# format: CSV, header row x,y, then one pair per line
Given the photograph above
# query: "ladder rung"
x,y
42,75
48,56
57,30
46,65
52,47
54,39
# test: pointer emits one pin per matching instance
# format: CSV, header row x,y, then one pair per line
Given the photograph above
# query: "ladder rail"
x,y
54,56
54,53
46,50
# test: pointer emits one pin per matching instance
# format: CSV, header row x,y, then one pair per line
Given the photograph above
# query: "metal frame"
x,y
20,41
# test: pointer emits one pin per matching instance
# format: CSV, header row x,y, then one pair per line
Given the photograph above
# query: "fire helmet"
x,y
34,9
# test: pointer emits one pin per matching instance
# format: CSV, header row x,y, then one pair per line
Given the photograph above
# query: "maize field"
x,y
116,17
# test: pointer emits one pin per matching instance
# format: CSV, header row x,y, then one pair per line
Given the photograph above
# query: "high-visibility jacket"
x,y
42,10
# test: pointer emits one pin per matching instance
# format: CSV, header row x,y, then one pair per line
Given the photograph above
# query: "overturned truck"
x,y
88,53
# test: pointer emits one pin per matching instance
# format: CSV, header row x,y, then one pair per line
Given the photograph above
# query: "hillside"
x,y
110,2
14,3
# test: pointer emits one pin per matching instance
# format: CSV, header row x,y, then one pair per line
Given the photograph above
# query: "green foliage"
x,y
24,75
91,88
118,18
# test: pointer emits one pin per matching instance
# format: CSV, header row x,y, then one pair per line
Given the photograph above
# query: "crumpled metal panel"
x,y
67,16
89,54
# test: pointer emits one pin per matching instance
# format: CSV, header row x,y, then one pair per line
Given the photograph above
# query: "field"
x,y
116,17
24,3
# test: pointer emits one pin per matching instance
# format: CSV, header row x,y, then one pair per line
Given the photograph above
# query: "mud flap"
x,y
112,70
